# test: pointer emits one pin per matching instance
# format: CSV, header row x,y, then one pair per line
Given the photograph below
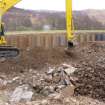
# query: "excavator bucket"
x,y
69,50
70,44
8,52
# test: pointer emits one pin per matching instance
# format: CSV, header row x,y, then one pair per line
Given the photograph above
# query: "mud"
x,y
88,58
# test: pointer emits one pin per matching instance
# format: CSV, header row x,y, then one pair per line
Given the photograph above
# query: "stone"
x,y
3,84
68,91
70,70
66,65
48,78
15,78
55,96
51,88
38,88
47,90
27,95
50,71
56,79
67,82
4,97
44,102
61,86
21,93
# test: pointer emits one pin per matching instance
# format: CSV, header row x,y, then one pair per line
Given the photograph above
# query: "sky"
x,y
59,5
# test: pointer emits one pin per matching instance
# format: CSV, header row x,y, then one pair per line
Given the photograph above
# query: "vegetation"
x,y
22,20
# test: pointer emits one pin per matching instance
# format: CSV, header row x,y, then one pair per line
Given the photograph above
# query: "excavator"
x,y
10,51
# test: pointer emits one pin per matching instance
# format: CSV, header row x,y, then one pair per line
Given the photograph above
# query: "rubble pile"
x,y
63,101
91,80
42,79
55,80
91,72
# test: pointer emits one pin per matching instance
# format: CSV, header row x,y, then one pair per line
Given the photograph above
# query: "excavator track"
x,y
8,52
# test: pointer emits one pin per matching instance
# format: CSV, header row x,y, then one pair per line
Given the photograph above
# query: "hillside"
x,y
20,19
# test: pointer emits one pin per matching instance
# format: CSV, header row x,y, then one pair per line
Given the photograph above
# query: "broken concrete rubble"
x,y
68,91
50,71
21,93
56,79
44,84
3,83
69,69
52,81
3,97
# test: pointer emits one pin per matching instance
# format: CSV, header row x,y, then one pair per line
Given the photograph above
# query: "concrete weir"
x,y
51,40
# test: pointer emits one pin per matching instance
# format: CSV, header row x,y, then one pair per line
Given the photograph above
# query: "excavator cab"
x,y
2,37
6,51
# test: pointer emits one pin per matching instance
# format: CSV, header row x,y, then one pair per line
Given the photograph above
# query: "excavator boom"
x,y
5,5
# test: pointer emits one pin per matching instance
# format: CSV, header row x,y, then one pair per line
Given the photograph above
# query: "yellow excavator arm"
x,y
7,4
69,23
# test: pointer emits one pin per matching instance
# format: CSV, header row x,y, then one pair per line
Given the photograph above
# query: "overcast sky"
x,y
59,5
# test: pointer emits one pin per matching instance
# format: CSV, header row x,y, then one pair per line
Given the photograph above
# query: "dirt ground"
x,y
88,58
